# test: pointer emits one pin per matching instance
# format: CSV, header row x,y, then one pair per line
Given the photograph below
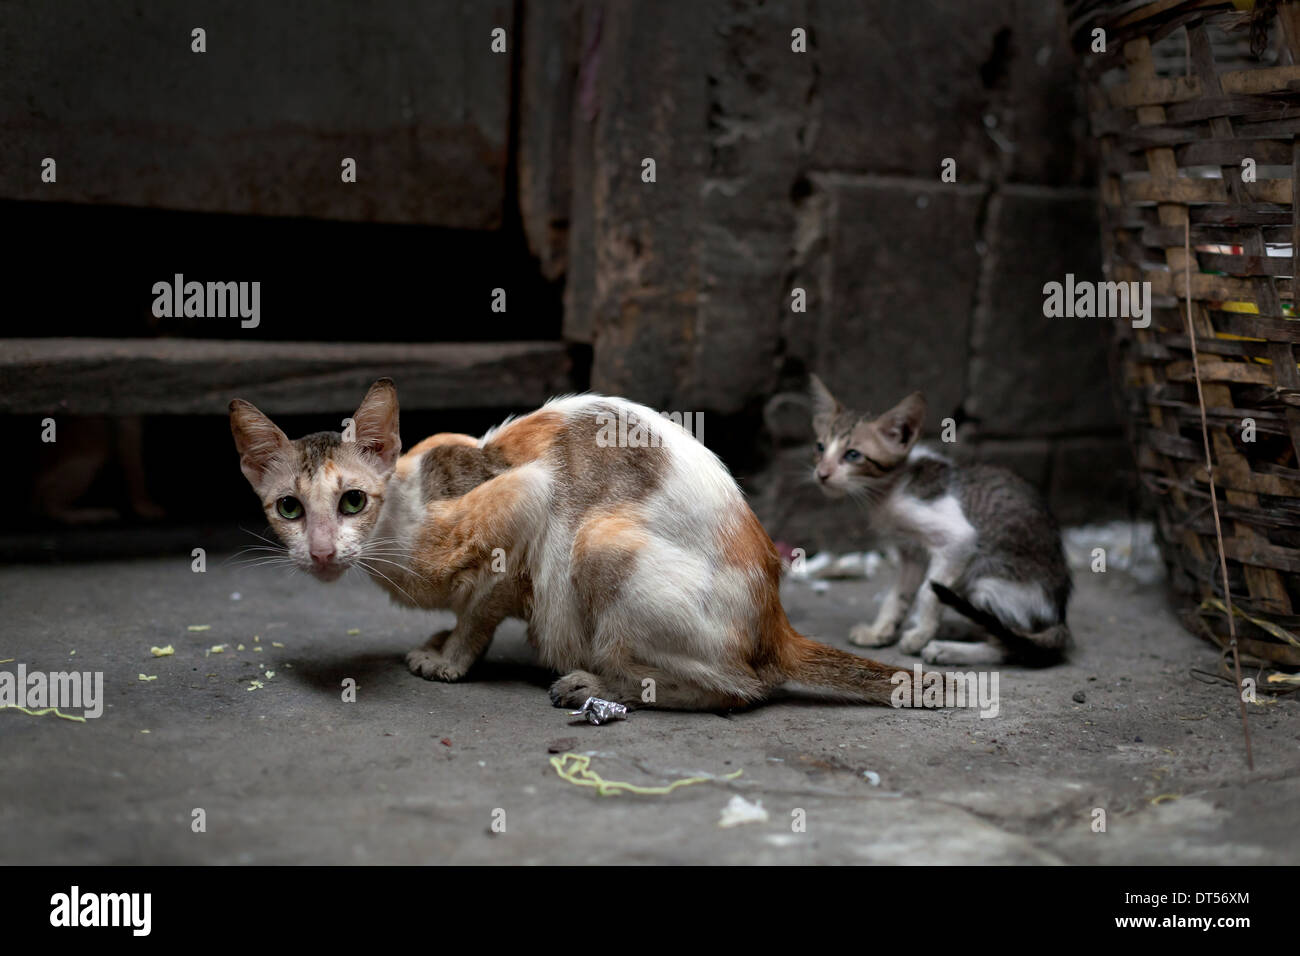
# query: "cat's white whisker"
x,y
260,552
267,562
396,564
262,538
372,570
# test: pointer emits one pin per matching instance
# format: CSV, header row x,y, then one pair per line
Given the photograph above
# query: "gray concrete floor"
x,y
412,772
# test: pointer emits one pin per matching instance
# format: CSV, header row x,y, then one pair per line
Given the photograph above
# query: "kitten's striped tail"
x,y
1031,647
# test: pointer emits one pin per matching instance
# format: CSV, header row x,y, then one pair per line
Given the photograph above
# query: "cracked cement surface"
x,y
414,772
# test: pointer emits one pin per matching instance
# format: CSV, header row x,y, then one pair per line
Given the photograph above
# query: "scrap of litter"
x,y
167,651
199,627
741,811
576,769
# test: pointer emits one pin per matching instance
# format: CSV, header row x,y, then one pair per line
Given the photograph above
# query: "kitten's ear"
x,y
376,423
257,439
825,407
901,425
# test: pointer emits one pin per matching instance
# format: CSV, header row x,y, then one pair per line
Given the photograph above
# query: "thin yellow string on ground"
x,y
576,769
42,712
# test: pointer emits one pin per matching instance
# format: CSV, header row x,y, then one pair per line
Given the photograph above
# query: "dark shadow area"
x,y
90,271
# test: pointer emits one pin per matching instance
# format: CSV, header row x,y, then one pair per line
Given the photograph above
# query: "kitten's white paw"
x,y
935,651
573,689
961,653
431,665
868,635
915,638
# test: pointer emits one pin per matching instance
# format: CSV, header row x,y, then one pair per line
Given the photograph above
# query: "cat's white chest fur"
x,y
939,522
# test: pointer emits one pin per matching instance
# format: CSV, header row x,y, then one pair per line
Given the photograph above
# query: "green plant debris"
x,y
42,712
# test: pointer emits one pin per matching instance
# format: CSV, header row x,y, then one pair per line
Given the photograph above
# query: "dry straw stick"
x,y
1214,500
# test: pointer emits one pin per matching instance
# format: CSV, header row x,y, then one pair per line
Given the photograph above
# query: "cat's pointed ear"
x,y
825,407
901,425
257,439
376,423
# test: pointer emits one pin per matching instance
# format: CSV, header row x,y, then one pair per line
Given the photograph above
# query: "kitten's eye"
x,y
852,455
352,502
820,448
289,507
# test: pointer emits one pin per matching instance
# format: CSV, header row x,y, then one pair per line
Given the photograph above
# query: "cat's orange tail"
x,y
783,655
844,674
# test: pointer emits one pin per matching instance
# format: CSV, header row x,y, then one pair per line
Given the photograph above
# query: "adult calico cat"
x,y
629,550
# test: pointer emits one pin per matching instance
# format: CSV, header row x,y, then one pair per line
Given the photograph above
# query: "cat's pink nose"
x,y
823,476
322,558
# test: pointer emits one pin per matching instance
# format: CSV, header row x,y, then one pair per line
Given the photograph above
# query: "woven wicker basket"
x,y
1186,91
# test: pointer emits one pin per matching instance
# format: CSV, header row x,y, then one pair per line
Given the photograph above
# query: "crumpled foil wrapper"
x,y
598,710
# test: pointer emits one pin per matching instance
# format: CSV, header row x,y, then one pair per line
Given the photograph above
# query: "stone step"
x,y
89,376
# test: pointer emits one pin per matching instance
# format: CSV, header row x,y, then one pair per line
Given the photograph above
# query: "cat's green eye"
x,y
820,447
352,502
289,507
852,455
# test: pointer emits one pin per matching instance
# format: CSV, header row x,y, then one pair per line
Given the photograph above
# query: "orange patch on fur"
x,y
459,535
745,544
612,532
779,652
442,438
528,438
407,461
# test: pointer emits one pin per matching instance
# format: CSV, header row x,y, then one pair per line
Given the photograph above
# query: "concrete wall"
x,y
821,171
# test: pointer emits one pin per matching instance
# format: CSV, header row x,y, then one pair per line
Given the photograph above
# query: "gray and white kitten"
x,y
975,537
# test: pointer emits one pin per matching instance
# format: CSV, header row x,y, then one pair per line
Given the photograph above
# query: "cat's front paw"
x,y
961,653
915,638
431,665
573,689
869,635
